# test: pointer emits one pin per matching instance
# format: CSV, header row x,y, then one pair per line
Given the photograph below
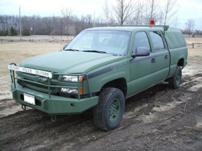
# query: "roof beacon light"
x,y
152,23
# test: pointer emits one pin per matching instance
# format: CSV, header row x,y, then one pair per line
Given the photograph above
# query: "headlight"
x,y
70,78
73,78
69,91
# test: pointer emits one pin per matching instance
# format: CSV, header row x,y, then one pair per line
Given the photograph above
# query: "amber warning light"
x,y
152,23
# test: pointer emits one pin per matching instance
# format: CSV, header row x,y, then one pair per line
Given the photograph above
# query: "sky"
x,y
186,9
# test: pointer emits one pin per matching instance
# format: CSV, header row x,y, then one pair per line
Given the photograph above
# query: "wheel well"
x,y
118,83
180,62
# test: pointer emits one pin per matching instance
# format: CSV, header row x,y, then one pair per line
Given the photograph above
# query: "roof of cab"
x,y
128,28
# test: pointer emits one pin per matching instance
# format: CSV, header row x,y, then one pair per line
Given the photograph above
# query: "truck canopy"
x,y
174,38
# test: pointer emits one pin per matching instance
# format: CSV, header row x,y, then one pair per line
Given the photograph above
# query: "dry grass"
x,y
195,52
17,51
194,40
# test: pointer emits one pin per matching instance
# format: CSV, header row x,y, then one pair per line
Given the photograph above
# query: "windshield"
x,y
100,41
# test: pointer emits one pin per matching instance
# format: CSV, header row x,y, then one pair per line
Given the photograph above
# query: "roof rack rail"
x,y
165,27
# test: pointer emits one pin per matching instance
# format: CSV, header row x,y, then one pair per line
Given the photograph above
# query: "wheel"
x,y
109,111
176,80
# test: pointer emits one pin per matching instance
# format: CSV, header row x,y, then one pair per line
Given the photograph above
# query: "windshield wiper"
x,y
71,50
97,51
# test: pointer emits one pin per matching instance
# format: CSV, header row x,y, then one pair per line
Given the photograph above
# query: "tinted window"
x,y
141,40
157,40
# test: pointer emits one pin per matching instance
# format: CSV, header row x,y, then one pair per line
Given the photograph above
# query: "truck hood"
x,y
69,62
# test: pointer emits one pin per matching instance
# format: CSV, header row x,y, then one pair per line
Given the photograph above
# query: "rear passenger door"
x,y
159,57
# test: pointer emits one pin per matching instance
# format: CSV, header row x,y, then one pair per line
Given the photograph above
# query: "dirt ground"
x,y
157,119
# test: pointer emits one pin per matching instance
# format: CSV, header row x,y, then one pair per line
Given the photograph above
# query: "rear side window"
x,y
141,40
157,40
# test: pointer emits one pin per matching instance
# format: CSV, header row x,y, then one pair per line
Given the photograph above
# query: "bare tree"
x,y
106,11
169,11
108,18
189,26
123,10
152,9
138,17
65,23
67,13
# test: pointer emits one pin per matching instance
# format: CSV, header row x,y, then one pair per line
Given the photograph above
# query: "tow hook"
x,y
24,108
53,118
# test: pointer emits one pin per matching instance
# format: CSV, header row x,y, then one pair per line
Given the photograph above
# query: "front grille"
x,y
34,84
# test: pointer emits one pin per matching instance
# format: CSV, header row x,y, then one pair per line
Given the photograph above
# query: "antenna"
x,y
20,23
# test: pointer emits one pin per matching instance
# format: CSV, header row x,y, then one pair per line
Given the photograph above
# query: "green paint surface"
x,y
138,73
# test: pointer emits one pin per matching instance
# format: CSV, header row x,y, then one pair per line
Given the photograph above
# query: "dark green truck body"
x,y
131,74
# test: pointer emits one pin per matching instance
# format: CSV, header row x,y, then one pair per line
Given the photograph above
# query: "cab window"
x,y
141,40
157,41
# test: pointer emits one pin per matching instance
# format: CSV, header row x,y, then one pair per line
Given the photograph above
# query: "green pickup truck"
x,y
99,69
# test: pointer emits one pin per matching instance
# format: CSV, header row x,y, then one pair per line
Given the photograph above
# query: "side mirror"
x,y
64,46
141,52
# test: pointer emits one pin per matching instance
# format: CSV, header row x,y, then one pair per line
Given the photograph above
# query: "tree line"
x,y
36,25
123,12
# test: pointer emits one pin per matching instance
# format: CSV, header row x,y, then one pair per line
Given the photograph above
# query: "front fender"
x,y
99,78
97,83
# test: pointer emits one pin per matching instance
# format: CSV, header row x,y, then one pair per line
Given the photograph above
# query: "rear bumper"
x,y
53,104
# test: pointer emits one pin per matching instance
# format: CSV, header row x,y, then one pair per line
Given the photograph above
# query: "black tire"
x,y
176,80
110,109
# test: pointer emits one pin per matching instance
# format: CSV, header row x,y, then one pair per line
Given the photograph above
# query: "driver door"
x,y
140,67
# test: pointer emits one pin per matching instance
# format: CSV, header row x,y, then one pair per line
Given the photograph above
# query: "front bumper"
x,y
53,104
41,85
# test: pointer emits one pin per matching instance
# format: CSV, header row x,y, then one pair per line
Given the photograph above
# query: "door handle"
x,y
166,56
153,60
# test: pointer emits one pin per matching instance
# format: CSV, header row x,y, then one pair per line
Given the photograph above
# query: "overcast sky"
x,y
186,9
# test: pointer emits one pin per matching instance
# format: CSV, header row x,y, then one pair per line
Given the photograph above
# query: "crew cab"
x,y
99,69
